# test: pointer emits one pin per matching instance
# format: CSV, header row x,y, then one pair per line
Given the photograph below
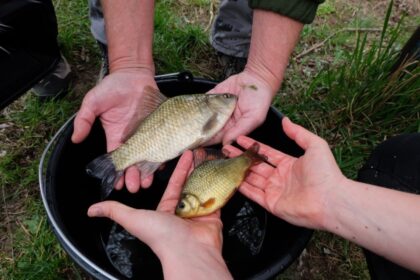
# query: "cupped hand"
x,y
182,245
116,100
294,189
254,100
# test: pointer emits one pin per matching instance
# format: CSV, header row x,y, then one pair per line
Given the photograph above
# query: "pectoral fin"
x,y
211,123
208,203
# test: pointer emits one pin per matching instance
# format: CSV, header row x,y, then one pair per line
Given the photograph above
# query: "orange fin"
x,y
150,102
208,203
204,154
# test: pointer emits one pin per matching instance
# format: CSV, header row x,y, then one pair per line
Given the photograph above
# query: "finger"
x,y
304,138
256,180
253,193
176,182
132,179
231,151
263,169
120,183
147,181
134,221
83,121
274,156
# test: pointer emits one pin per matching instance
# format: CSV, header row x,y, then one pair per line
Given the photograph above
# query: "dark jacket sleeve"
x,y
300,10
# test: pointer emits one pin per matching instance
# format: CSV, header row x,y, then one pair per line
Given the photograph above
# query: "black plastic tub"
x,y
257,245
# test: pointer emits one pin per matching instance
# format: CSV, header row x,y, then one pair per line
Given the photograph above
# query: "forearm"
x,y
384,221
273,39
129,32
194,264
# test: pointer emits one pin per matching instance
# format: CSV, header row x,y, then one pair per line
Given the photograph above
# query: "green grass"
x,y
176,43
32,251
180,45
360,103
37,253
342,91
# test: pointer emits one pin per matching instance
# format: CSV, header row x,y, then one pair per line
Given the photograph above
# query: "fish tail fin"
x,y
252,153
103,168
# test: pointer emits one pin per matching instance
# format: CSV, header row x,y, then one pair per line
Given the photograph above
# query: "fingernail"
x,y
225,152
95,211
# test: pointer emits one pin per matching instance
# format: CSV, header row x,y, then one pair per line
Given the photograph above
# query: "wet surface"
x,y
249,228
119,251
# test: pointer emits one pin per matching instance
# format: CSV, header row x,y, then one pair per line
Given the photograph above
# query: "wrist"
x,y
264,75
273,38
129,65
336,201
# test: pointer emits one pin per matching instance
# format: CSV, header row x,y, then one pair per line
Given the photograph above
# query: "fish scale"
x,y
224,175
173,126
213,182
157,145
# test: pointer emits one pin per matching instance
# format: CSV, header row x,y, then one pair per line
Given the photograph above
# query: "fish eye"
x,y
181,205
226,95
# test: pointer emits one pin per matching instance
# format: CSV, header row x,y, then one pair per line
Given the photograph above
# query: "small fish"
x,y
169,127
213,182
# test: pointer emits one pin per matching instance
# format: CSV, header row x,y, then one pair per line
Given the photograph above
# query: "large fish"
x,y
213,182
173,126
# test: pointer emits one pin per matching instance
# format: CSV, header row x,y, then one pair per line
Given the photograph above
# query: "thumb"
x,y
83,122
303,137
137,222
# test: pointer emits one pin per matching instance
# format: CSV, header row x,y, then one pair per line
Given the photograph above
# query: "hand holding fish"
x,y
254,100
311,191
187,248
115,101
295,189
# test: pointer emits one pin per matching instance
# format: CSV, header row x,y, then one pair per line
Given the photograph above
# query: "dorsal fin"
x,y
203,154
150,102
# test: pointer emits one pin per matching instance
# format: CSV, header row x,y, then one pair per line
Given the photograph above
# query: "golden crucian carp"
x,y
213,182
173,126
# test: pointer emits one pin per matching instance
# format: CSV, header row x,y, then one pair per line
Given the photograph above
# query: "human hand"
x,y
187,248
296,189
254,100
116,101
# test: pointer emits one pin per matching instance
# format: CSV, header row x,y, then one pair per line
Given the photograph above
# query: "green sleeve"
x,y
300,10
